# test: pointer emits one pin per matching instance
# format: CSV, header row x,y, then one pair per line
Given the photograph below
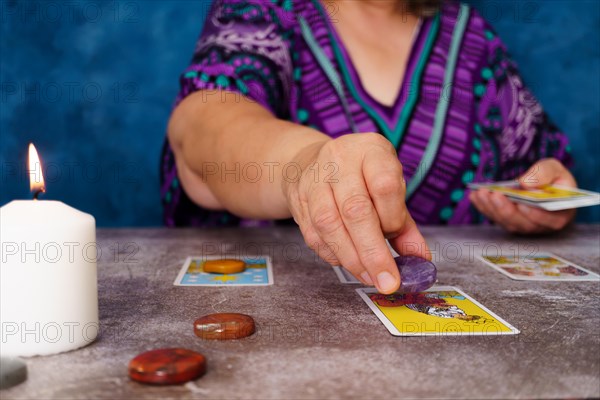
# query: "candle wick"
x,y
37,193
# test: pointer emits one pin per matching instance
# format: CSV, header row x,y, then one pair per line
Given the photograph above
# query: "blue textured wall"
x,y
91,83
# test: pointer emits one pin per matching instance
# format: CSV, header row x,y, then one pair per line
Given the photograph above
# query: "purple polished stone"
x,y
416,274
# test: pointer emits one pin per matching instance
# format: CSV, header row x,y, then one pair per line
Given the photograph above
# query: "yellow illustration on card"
x,y
225,278
544,261
543,193
501,259
437,312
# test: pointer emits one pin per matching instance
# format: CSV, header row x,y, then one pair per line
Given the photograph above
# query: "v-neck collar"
x,y
391,110
394,119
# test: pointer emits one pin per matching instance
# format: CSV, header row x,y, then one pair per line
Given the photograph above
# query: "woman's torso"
x,y
290,58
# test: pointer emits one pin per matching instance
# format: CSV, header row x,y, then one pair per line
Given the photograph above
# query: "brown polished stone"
x,y
223,326
167,366
224,266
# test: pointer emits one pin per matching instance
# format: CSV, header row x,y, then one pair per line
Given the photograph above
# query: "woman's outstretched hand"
x,y
520,218
348,199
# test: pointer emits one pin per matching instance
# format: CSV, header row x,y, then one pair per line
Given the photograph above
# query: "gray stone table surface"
x,y
316,338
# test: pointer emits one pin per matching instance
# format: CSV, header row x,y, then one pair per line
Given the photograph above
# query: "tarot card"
x,y
344,276
544,193
439,311
258,272
549,197
539,267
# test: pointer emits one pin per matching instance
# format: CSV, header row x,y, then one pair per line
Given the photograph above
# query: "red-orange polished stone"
x,y
223,326
167,366
225,266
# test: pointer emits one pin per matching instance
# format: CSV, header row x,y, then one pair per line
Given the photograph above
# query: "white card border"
x,y
363,293
559,205
189,259
595,277
340,274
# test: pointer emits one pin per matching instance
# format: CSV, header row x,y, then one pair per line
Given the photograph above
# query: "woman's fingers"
x,y
346,221
363,225
311,236
499,209
545,172
518,218
298,202
479,200
550,220
410,241
506,212
385,183
328,225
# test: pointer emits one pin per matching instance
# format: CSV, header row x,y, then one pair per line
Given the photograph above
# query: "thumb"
x,y
546,172
410,241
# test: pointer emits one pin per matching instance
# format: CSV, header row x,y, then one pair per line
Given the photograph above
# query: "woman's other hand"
x,y
520,218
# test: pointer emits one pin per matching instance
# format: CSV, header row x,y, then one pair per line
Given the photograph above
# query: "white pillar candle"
x,y
48,282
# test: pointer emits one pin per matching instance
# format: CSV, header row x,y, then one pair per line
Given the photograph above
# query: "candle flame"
x,y
36,179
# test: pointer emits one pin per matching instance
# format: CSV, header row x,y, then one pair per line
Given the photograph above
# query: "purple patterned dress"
x,y
462,115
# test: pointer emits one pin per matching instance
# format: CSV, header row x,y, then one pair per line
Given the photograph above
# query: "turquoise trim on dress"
x,y
442,107
418,73
328,68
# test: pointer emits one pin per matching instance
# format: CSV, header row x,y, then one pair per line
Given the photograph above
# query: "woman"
x,y
263,120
